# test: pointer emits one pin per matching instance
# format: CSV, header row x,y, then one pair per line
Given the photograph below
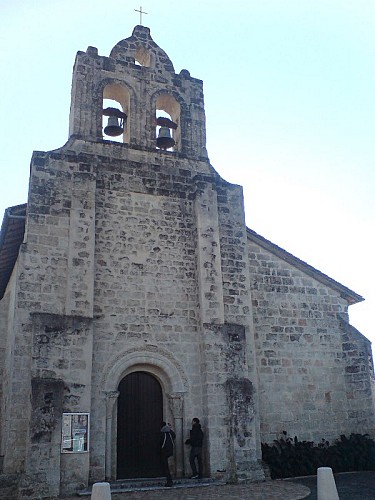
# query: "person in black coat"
x,y
167,437
196,442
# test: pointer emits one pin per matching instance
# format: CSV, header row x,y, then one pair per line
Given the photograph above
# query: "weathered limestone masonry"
x,y
134,260
137,285
315,370
53,325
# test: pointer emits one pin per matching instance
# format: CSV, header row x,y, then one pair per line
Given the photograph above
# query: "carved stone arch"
x,y
172,103
183,106
144,56
105,82
121,92
157,361
168,371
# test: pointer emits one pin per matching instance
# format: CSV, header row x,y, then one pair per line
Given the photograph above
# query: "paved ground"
x,y
270,490
350,485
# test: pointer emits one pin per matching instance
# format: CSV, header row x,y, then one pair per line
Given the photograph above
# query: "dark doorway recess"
x,y
139,414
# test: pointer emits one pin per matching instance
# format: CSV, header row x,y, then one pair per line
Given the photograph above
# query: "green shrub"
x,y
289,457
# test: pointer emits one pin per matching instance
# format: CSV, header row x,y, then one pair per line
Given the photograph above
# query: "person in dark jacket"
x,y
167,437
196,442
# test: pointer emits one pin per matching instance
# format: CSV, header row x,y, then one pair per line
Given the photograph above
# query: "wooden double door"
x,y
139,415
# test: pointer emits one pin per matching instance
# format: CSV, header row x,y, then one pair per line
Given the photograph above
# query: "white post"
x,y
326,484
101,491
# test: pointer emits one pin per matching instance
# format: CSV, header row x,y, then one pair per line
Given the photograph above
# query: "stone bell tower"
x,y
140,78
133,280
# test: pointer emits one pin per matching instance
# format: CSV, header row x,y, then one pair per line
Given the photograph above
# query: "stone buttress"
x,y
134,259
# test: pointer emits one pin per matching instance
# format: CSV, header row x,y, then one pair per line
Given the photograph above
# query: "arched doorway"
x,y
139,414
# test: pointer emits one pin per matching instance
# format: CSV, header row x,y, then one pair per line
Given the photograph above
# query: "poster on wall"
x,y
75,433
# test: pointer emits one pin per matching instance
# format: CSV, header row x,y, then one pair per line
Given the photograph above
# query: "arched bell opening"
x,y
168,136
142,57
116,104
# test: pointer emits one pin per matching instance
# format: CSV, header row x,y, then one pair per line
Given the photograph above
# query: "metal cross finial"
x,y
140,13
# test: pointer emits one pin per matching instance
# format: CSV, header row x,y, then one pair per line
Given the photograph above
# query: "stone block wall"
x,y
4,312
143,84
238,349
359,378
146,293
52,370
139,259
140,255
52,340
302,354
158,288
8,350
59,253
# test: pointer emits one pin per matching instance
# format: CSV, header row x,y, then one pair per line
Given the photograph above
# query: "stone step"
x,y
144,484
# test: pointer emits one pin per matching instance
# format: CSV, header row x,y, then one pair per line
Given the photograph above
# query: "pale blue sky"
x,y
289,91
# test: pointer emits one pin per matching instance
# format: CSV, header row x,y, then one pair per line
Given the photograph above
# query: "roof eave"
x,y
11,236
347,294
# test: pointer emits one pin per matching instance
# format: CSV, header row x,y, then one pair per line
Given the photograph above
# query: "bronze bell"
x,y
164,139
116,121
114,127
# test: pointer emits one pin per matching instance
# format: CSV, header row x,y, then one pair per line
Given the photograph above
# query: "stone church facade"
x,y
133,292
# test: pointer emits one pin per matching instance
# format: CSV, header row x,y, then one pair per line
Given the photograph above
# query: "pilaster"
x,y
176,403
